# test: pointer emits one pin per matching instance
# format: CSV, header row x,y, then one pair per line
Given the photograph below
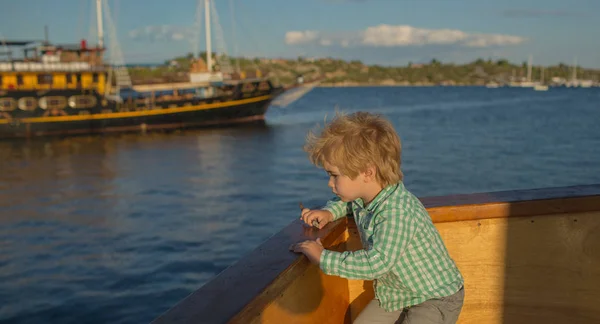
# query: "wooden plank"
x,y
514,209
475,231
360,292
236,287
310,297
302,293
512,196
540,269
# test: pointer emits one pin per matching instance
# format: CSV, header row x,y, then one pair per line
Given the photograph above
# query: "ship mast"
x,y
208,40
99,22
529,68
116,59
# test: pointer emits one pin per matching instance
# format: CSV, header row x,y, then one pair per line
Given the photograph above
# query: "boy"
x,y
415,280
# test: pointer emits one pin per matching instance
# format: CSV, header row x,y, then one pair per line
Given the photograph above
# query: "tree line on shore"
x,y
334,71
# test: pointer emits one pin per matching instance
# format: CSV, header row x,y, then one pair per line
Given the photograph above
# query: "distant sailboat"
x,y
520,83
528,83
492,85
542,85
577,83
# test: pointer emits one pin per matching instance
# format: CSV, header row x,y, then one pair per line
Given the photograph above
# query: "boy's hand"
x,y
312,250
316,217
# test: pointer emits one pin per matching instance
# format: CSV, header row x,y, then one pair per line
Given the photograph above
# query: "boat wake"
x,y
292,96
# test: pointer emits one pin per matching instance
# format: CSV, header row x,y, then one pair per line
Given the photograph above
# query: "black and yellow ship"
x,y
63,89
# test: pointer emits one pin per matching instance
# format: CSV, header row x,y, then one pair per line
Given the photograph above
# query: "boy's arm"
x,y
336,207
392,233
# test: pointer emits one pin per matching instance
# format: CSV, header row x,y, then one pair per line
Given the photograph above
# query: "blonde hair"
x,y
356,141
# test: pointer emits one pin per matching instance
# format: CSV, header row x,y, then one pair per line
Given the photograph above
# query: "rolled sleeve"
x,y
336,207
392,235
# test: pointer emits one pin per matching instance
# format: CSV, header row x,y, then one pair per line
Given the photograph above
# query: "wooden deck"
x,y
528,256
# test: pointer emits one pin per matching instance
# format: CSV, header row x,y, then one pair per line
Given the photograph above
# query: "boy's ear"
x,y
370,173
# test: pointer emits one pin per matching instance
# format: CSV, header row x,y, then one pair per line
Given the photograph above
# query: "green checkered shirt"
x,y
402,250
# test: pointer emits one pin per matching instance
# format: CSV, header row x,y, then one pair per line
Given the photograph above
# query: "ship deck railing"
x,y
527,256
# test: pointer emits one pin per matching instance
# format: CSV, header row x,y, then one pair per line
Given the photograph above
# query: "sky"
x,y
385,32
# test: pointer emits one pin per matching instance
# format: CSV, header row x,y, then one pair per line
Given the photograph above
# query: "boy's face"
x,y
344,187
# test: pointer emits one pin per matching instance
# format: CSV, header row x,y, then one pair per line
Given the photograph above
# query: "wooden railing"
x,y
528,256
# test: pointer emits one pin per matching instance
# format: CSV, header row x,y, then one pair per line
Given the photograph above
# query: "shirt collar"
x,y
383,195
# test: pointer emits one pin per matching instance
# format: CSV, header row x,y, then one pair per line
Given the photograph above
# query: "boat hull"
x,y
160,118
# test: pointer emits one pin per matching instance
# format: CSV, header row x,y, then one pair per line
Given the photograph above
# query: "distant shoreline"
x,y
337,73
370,85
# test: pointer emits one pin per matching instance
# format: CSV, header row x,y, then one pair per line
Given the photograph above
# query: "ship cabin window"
x,y
53,102
28,103
20,79
248,87
95,78
82,101
56,103
69,78
264,86
7,104
78,78
44,78
0,81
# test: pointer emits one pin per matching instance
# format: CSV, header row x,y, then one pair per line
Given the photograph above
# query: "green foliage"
x,y
502,62
338,71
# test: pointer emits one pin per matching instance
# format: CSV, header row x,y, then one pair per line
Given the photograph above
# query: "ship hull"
x,y
200,114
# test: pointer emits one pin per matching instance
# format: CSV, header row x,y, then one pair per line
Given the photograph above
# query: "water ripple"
x,y
117,229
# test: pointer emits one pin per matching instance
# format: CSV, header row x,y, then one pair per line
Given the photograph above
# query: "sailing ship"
x,y
55,89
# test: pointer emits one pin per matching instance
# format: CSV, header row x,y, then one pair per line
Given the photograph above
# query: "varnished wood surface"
x,y
248,285
517,203
219,300
512,196
360,291
303,295
539,269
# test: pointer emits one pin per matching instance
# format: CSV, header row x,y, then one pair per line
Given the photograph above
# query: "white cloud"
x,y
300,37
162,33
400,35
177,36
483,40
525,13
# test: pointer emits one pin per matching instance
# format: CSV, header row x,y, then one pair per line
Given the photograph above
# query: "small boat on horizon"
x,y
541,86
